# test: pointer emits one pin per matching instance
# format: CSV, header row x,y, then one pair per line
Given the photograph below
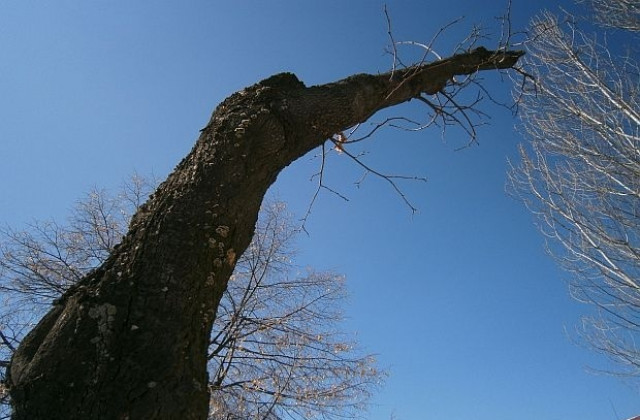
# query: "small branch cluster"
x,y
449,105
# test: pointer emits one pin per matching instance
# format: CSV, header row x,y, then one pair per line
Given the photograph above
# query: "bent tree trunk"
x,y
130,340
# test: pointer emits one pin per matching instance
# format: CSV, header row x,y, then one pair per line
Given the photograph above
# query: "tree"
x,y
580,173
276,351
616,14
273,323
130,339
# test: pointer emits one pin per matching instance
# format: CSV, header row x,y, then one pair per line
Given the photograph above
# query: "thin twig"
x,y
393,43
388,178
321,185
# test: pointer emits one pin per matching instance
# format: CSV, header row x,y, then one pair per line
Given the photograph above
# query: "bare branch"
x,y
389,178
394,50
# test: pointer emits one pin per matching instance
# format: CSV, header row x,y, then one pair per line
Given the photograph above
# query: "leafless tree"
x,y
580,170
276,348
131,338
42,262
616,14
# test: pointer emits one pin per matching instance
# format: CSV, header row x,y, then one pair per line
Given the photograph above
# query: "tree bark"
x,y
130,340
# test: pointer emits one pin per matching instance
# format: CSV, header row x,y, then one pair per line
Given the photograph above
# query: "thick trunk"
x,y
130,340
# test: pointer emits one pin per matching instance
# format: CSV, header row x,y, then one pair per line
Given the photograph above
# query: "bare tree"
x,y
617,14
42,262
276,348
131,338
580,172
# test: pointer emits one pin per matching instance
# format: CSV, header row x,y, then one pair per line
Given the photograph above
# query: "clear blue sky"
x,y
472,319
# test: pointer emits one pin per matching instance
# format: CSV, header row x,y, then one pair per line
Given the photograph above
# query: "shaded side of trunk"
x,y
130,340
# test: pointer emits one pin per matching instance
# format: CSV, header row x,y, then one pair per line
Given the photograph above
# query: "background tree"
x,y
276,348
131,338
580,173
616,14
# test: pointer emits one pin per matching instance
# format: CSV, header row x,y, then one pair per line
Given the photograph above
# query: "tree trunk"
x,y
130,340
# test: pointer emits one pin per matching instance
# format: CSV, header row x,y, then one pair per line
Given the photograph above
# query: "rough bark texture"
x,y
130,340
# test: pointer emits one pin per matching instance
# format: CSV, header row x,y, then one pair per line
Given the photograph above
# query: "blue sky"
x,y
459,301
